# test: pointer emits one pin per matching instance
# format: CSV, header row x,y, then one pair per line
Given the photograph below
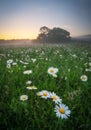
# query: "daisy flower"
x,y
24,66
55,98
25,63
54,75
8,65
14,63
9,61
33,60
87,69
89,63
62,111
74,55
44,94
39,93
52,70
84,78
29,82
31,87
27,72
23,97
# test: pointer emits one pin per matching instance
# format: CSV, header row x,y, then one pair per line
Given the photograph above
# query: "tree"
x,y
44,30
58,35
55,35
42,37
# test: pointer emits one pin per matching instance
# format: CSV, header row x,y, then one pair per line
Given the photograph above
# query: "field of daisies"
x,y
45,88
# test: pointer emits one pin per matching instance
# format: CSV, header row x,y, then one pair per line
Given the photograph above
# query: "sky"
x,y
22,19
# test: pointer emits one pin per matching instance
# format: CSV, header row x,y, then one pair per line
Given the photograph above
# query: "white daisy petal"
x,y
27,72
29,82
31,87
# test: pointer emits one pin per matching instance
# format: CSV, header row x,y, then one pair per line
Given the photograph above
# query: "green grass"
x,y
37,113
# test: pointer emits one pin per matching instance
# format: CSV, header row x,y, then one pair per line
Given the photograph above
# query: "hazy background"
x,y
21,19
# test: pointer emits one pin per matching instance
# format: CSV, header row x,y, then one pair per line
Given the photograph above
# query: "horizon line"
x,y
16,39
8,39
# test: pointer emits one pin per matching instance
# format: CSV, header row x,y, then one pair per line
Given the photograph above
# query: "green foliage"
x,y
37,113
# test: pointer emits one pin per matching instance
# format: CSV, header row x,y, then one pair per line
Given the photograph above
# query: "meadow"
x,y
45,87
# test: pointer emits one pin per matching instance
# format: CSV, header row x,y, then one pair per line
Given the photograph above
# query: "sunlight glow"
x,y
22,19
18,35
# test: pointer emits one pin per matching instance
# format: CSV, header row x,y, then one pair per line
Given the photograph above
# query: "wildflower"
x,y
54,75
29,82
31,87
9,61
55,98
62,111
24,66
89,63
65,78
9,66
68,70
38,93
52,70
84,78
23,97
25,63
60,55
46,59
27,72
44,94
33,60
87,69
74,56
14,63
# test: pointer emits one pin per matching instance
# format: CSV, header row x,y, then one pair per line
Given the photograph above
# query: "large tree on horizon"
x,y
55,35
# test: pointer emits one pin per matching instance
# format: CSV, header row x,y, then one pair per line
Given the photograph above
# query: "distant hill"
x,y
83,38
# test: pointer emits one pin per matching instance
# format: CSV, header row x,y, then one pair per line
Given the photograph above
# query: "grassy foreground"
x,y
72,83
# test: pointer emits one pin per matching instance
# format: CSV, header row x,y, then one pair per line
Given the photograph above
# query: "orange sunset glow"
x,y
18,35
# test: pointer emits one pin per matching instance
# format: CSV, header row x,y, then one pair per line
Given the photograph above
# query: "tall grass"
x,y
37,113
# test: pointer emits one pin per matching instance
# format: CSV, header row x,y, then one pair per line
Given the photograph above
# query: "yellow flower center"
x,y
45,94
54,97
61,110
24,97
51,70
83,78
32,87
